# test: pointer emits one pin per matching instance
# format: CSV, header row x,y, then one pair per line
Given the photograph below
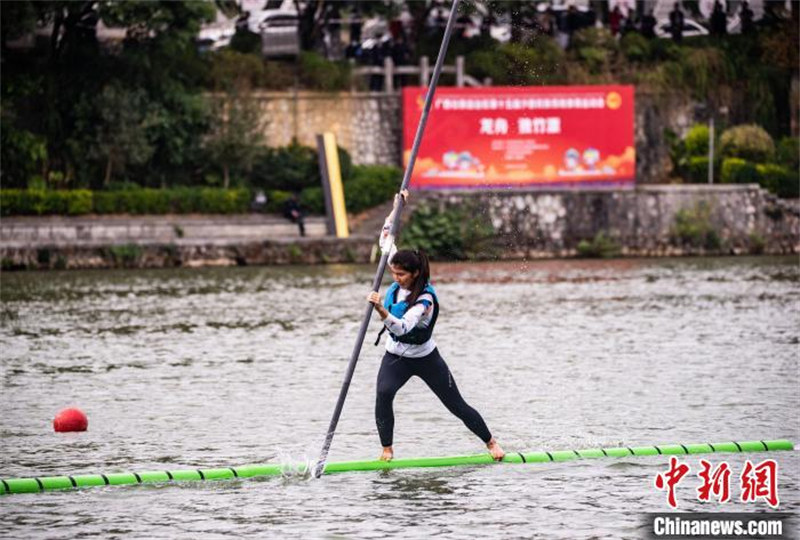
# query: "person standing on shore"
x,y
676,23
294,213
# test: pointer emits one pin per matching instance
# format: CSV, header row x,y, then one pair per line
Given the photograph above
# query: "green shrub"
x,y
595,48
370,186
287,168
104,202
601,246
748,142
276,199
233,70
79,201
33,202
779,180
788,153
278,75
453,233
665,50
697,170
318,73
313,200
598,38
10,202
517,64
677,153
594,58
128,201
697,140
705,70
693,228
635,47
738,171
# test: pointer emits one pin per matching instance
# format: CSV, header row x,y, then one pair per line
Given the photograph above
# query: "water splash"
x,y
294,466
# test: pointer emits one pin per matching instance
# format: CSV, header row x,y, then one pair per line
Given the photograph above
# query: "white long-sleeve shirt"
x,y
420,314
385,241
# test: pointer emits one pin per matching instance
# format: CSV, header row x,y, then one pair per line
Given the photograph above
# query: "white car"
x,y
217,36
279,34
691,28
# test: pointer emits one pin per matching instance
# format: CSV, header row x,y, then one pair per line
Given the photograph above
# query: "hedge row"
x,y
33,202
368,186
780,180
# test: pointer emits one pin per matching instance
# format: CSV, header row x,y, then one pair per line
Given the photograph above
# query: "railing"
x,y
389,70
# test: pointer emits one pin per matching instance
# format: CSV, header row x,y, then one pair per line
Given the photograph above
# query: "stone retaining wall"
x,y
526,223
108,230
641,221
189,253
366,124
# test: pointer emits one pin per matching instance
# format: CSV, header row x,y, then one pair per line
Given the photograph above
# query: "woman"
x,y
409,313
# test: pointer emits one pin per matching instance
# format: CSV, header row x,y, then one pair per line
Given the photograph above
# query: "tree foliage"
x,y
131,108
236,137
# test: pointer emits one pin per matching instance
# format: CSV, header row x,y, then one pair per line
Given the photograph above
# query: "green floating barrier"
x,y
48,483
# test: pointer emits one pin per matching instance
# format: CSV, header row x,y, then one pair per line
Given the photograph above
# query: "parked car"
x,y
691,28
216,36
279,36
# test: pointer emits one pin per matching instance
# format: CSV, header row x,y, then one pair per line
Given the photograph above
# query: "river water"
x,y
218,367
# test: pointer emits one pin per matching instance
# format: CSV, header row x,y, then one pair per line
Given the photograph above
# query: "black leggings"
x,y
395,372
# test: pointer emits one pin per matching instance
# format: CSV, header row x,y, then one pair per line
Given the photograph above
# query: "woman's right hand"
x,y
375,299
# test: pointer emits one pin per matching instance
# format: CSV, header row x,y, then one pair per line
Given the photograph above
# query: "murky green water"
x,y
219,367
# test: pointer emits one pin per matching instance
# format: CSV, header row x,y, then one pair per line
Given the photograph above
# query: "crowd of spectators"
x,y
556,22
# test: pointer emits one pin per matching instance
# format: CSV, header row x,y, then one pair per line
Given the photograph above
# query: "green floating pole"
x,y
48,483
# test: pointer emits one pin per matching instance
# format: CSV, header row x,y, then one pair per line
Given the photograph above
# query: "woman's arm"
x,y
386,241
410,319
405,325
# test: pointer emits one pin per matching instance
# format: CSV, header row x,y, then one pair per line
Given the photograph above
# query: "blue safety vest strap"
x,y
416,336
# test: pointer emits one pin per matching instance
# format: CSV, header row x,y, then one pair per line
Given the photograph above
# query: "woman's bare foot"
x,y
495,450
387,454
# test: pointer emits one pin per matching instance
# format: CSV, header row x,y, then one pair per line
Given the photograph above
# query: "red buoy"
x,y
70,420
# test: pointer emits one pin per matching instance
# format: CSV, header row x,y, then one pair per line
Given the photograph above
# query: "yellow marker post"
x,y
332,187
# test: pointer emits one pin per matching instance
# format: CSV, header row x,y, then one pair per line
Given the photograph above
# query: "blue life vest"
x,y
418,335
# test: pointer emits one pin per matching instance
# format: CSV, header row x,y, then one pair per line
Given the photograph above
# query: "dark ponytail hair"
x,y
413,261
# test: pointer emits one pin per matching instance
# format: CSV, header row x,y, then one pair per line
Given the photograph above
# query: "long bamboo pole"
x,y
49,483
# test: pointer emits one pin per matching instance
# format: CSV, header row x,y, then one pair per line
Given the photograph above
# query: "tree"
x,y
22,152
121,133
158,63
235,136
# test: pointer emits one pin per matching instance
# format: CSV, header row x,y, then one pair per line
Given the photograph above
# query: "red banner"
x,y
522,136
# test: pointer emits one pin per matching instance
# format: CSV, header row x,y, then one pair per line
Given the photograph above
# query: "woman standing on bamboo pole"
x,y
409,313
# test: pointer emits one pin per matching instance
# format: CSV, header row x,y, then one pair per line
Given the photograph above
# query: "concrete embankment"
x,y
646,221
56,242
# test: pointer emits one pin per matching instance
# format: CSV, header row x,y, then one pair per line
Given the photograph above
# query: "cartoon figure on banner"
x,y
459,164
572,163
591,156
